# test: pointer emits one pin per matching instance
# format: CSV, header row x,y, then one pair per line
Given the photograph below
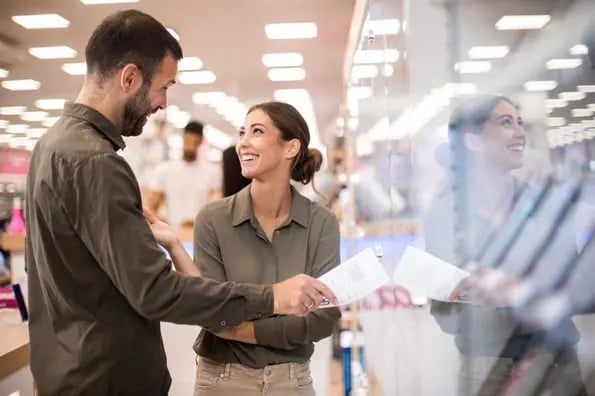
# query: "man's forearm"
x,y
244,332
182,261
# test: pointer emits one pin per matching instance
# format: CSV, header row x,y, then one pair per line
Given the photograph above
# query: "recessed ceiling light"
x,y
579,49
280,31
21,85
488,52
50,104
287,74
522,22
376,56
283,59
572,96
54,52
91,2
41,21
197,77
570,63
34,116
49,122
174,34
3,73
12,110
473,67
382,27
75,69
190,63
540,86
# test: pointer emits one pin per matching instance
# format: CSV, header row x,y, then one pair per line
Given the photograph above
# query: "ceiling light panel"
x,y
488,52
382,27
12,110
50,104
3,73
569,63
75,69
579,113
34,116
53,52
197,77
376,56
473,67
540,86
586,88
364,71
190,63
21,85
41,21
522,22
284,31
283,59
572,96
287,74
579,49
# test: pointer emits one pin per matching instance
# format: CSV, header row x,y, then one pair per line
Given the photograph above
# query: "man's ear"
x,y
131,78
293,148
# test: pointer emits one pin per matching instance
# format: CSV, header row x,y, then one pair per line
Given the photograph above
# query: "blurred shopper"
x,y
98,282
185,185
487,141
265,232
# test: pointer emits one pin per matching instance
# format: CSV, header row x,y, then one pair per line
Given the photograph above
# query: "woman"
x,y
265,233
487,141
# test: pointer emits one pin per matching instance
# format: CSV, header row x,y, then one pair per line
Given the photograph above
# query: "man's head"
x,y
192,140
134,58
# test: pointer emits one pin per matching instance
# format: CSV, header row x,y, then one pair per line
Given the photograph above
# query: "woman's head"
x,y
275,138
490,129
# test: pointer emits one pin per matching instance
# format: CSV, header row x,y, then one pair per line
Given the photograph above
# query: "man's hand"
x,y
300,295
163,233
486,287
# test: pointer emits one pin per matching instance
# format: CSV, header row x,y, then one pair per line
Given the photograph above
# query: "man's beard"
x,y
189,156
136,112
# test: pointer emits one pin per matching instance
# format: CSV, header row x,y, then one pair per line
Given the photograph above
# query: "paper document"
x,y
425,274
355,278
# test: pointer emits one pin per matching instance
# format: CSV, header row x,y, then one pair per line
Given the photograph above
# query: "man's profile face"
x,y
151,97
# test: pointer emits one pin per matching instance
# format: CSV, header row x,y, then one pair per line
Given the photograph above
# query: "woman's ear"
x,y
473,142
293,148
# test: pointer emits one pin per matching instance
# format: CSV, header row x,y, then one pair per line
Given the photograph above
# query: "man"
x,y
98,282
185,185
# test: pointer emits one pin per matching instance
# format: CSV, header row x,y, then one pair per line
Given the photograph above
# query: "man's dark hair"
x,y
194,127
233,181
128,37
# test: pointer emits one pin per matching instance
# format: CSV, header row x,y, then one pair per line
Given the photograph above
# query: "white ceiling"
x,y
227,35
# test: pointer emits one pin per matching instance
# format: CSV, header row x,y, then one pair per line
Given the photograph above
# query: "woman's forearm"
x,y
182,260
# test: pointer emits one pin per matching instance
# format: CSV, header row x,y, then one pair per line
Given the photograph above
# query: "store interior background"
x,y
376,83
